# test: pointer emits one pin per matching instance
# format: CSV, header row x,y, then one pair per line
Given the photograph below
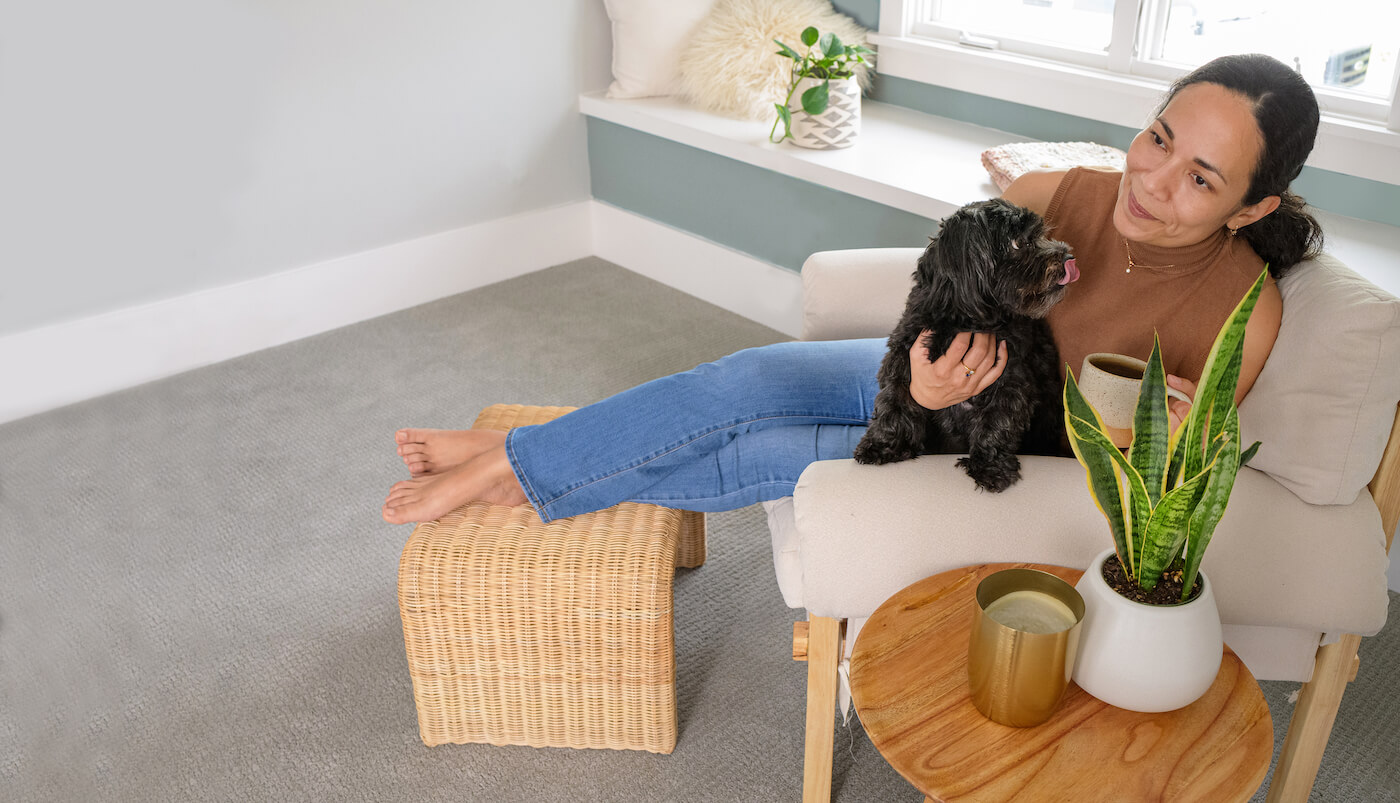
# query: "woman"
x,y
1170,245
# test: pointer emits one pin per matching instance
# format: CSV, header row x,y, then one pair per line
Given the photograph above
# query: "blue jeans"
x,y
718,437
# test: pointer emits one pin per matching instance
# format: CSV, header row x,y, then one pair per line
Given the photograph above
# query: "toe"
x,y
411,436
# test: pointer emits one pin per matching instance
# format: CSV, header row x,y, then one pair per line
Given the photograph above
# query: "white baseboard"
x,y
757,290
57,365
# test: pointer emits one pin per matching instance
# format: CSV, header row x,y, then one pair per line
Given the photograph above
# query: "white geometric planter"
x,y
1146,657
838,126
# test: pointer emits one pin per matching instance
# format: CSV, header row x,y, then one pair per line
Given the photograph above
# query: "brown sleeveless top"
x,y
1110,309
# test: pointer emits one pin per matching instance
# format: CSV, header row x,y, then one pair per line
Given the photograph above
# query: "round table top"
x,y
909,685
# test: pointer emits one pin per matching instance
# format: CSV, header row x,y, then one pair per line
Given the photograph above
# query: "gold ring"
x,y
970,371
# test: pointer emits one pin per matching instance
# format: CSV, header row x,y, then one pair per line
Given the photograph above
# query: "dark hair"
x,y
1286,112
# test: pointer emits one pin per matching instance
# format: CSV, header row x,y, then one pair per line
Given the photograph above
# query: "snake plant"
x,y
1164,497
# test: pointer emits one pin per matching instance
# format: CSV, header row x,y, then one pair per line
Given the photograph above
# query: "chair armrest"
x,y
864,532
855,293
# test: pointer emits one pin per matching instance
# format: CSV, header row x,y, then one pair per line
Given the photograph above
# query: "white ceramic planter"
x,y
838,126
1146,657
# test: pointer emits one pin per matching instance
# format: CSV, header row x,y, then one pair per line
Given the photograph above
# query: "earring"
x,y
1234,231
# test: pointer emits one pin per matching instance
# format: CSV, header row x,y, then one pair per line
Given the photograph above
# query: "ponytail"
x,y
1286,236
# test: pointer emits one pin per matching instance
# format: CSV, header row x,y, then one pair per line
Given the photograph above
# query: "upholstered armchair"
x,y
1298,563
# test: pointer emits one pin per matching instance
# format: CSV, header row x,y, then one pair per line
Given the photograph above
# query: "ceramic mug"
x,y
1111,383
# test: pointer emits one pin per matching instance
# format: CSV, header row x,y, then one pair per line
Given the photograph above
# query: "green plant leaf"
x,y
832,46
1085,430
1106,489
1248,454
784,117
809,36
1215,496
1149,452
815,99
1216,389
1168,528
787,51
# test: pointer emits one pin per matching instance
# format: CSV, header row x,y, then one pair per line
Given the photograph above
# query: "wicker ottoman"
x,y
546,635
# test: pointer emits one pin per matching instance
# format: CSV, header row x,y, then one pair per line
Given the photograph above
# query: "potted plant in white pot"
x,y
1162,501
827,111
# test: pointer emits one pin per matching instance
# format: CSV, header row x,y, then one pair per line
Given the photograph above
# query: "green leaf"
x,y
1216,389
784,117
1104,481
1116,488
1215,496
1151,427
832,47
1248,454
814,100
787,51
1167,529
809,36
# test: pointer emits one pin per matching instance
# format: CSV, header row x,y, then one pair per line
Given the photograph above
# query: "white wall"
x,y
154,148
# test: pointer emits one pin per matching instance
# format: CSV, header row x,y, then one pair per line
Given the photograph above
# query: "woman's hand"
x,y
1177,410
936,384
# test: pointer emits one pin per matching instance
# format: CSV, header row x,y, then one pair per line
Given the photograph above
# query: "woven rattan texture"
x,y
547,635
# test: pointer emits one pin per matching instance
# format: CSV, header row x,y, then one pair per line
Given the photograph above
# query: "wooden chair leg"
x,y
824,648
1312,721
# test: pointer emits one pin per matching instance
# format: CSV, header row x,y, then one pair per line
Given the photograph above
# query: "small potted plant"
x,y
1142,649
824,80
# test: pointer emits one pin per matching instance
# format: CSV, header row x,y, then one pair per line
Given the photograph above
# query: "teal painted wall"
x,y
774,217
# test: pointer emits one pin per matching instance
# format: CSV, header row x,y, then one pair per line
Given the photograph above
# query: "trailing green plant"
x,y
1163,499
827,57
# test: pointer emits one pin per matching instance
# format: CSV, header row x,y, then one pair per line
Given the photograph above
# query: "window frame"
x,y
1123,91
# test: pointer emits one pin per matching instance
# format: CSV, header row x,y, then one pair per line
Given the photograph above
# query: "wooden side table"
x,y
909,685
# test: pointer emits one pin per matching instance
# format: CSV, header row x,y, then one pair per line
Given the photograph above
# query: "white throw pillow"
x,y
731,66
1325,401
648,37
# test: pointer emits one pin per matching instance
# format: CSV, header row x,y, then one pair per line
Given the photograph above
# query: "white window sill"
x,y
920,163
917,162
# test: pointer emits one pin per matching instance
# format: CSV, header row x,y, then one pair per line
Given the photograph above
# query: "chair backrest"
x,y
1385,486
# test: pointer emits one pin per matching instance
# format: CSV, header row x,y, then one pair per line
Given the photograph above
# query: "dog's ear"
x,y
962,264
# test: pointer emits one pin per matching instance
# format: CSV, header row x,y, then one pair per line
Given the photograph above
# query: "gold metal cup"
x,y
1019,671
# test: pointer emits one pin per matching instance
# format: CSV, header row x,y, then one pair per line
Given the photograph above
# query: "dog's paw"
x,y
995,476
878,454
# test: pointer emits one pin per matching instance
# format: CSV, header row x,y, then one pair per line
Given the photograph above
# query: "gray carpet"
x,y
197,595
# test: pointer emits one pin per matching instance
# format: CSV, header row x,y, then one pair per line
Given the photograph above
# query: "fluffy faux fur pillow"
x,y
731,65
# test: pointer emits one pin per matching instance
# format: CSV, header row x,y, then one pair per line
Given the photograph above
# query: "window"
x,y
1347,49
1109,60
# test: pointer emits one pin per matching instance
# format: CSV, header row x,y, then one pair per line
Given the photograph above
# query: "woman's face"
x,y
1187,173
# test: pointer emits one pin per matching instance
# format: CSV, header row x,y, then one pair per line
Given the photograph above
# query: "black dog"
x,y
990,269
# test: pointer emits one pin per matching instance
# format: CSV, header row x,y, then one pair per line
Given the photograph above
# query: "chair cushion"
x,y
1326,399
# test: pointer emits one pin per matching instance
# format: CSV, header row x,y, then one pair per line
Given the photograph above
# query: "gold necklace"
x,y
1132,264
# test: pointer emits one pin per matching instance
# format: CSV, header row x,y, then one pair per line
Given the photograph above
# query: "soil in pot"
x,y
1167,592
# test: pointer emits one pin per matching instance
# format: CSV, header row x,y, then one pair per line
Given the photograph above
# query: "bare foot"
x,y
487,477
433,451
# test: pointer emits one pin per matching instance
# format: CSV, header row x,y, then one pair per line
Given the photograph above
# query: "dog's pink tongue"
x,y
1071,271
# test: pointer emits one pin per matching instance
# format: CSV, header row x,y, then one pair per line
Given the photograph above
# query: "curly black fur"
x,y
990,269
